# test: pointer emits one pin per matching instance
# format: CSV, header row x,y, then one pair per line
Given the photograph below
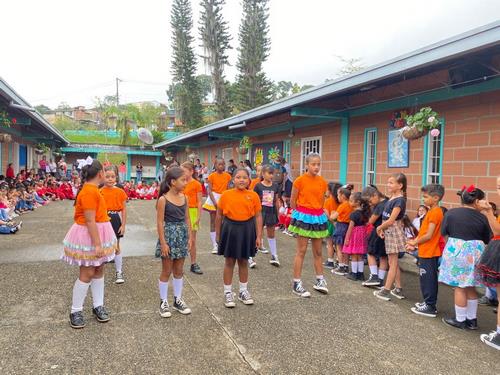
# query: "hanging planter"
x,y
245,145
419,124
41,149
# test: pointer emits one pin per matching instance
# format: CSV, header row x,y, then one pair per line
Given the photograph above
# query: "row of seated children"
x,y
141,190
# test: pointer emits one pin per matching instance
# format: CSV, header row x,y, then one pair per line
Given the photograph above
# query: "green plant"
x,y
246,142
42,147
424,119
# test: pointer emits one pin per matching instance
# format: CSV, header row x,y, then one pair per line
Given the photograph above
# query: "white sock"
x,y
79,293
97,290
361,266
213,238
354,267
272,246
319,277
471,309
381,274
374,270
118,262
163,287
243,286
460,313
488,293
296,280
178,284
330,260
228,289
498,330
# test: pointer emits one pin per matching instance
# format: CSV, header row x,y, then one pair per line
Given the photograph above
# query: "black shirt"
x,y
267,195
393,203
378,211
357,218
174,213
466,224
231,169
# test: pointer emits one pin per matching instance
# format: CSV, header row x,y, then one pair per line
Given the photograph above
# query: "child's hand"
x,y
165,250
117,251
412,243
258,243
122,230
380,232
99,252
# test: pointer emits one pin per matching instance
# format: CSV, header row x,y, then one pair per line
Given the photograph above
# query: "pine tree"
x,y
253,87
215,41
187,96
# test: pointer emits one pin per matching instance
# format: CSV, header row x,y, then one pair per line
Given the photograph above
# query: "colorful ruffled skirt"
x,y
488,269
209,205
308,222
78,248
458,263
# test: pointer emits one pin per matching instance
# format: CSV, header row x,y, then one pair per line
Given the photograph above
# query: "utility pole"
x,y
118,80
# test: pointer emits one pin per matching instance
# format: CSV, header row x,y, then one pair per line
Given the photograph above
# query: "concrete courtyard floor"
x,y
348,331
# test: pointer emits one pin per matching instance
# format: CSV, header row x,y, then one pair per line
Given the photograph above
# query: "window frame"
x,y
426,162
302,156
365,155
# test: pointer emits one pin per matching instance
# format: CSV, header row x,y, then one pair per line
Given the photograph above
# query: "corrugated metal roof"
x,y
478,38
17,99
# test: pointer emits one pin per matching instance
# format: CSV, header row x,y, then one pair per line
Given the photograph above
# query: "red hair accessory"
x,y
471,188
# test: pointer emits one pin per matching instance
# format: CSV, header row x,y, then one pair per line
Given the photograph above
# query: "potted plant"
x,y
420,123
245,145
41,149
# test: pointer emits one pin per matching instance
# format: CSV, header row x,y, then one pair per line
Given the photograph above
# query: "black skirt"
x,y
339,233
269,216
376,245
237,239
116,222
488,268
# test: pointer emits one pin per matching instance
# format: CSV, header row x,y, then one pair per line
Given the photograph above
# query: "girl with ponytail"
x,y
90,243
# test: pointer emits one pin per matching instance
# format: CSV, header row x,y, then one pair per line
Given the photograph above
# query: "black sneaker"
x,y
454,323
373,280
320,286
340,270
493,340
299,290
165,309
328,265
181,306
398,293
76,320
471,324
425,310
195,268
486,301
360,276
101,314
275,261
383,294
352,276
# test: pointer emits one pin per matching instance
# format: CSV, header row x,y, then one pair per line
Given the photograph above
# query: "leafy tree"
x,y
283,89
215,41
187,96
253,87
63,106
42,108
350,65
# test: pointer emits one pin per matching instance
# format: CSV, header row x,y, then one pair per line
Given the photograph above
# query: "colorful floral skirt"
x,y
488,269
459,261
78,247
357,242
209,205
308,222
177,238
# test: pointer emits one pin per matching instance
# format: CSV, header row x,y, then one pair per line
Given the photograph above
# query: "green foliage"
x,y
426,118
157,136
215,40
186,90
283,89
42,109
246,142
253,87
67,123
98,139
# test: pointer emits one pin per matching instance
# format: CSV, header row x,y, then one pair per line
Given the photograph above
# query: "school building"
x,y
22,131
350,122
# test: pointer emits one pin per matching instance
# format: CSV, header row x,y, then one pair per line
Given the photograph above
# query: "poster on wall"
x,y
267,153
397,150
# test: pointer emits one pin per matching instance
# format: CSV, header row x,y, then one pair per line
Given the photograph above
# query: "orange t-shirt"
x,y
90,198
114,197
311,191
330,205
431,248
219,181
191,190
344,210
254,182
239,205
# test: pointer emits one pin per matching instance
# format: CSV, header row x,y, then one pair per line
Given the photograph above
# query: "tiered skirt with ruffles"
x,y
309,222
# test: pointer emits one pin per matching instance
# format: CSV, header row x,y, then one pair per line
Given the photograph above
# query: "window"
x,y
433,161
307,146
370,157
286,150
227,154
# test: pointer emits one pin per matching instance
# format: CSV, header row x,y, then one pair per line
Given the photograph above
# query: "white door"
x,y
307,146
227,154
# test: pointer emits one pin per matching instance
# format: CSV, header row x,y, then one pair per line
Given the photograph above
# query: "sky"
x,y
57,51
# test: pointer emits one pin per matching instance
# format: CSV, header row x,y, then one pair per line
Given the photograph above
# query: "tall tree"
x,y
187,99
215,41
253,87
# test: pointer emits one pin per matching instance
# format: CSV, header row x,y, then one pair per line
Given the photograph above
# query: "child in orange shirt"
x,y
115,199
239,231
331,205
90,243
429,252
193,191
218,182
342,217
309,221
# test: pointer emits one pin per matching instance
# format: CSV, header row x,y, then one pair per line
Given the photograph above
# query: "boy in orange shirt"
x,y
428,250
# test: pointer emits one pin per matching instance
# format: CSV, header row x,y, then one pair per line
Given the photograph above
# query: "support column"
x,y
157,165
344,149
129,166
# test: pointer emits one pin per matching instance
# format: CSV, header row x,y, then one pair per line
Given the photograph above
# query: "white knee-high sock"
x,y
163,287
118,262
243,286
213,238
80,290
97,289
178,284
361,266
460,313
272,246
471,309
381,274
374,270
354,267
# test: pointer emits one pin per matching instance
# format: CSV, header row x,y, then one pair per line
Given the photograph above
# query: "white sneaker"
x,y
263,250
229,300
275,261
215,250
251,263
245,297
119,278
